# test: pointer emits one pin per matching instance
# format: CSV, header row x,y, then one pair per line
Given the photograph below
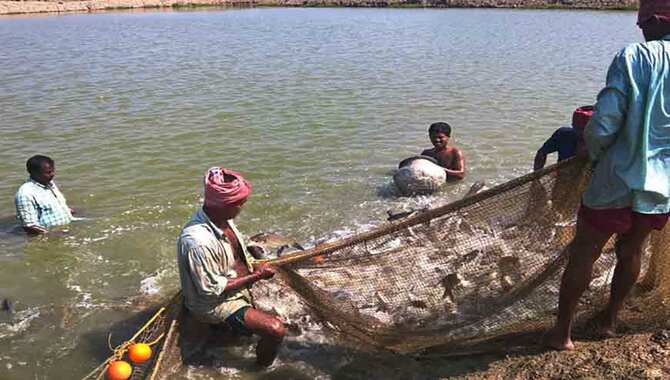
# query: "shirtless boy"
x,y
449,157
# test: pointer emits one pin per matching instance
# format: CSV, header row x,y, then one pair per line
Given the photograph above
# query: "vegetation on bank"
x,y
55,6
418,5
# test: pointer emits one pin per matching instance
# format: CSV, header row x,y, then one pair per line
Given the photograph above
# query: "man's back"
x,y
629,134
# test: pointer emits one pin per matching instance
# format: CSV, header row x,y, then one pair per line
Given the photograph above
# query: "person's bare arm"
x,y
459,171
263,271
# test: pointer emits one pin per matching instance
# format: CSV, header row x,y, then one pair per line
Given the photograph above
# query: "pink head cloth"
x,y
220,192
651,8
581,116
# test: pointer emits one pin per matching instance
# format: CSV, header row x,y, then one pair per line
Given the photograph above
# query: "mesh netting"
x,y
456,276
159,332
471,270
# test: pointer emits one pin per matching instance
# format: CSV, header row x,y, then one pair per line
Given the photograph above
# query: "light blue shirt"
x,y
206,261
42,206
628,137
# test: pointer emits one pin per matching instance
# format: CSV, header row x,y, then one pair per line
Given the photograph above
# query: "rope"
x,y
120,350
418,218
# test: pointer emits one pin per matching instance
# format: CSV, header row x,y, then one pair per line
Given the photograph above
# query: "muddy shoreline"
x,y
25,7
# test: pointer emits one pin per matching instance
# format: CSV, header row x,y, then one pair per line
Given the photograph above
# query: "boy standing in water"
x,y
449,157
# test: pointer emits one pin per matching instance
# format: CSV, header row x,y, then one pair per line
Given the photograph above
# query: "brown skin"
x,y
585,250
449,157
267,326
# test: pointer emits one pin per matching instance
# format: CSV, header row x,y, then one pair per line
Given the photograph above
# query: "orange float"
x,y
119,370
139,352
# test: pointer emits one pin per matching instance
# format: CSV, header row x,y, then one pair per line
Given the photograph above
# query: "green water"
x,y
314,106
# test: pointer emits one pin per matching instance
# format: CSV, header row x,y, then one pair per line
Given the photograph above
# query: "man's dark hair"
x,y
34,163
655,28
440,127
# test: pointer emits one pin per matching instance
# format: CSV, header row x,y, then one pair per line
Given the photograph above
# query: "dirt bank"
x,y
18,7
641,351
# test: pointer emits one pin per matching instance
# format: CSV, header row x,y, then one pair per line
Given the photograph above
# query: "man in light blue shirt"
x,y
39,203
628,140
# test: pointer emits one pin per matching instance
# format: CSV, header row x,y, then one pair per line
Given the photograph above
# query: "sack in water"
x,y
419,175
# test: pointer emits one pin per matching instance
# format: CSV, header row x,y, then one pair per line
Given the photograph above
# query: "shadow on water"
x,y
12,237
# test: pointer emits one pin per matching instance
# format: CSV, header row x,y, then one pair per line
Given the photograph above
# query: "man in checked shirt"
x,y
39,203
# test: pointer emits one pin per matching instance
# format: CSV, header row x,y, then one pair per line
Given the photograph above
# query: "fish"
x,y
474,189
270,240
449,283
383,302
510,271
416,301
270,245
289,248
393,215
259,252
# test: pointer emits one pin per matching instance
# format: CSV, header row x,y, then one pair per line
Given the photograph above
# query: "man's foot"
x,y
603,325
553,340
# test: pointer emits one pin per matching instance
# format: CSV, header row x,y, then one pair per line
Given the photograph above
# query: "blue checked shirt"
x,y
628,136
39,205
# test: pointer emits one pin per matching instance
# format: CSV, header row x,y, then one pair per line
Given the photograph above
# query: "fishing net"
x,y
453,276
159,333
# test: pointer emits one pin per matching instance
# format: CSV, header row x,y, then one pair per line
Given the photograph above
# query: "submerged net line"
x,y
452,276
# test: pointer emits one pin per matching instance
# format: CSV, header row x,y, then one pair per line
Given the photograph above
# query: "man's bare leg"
x,y
271,331
626,272
585,249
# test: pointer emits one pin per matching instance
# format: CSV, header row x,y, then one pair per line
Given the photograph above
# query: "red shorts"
x,y
620,220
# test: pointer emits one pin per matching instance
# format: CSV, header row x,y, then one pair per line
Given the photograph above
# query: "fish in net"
x,y
459,274
451,278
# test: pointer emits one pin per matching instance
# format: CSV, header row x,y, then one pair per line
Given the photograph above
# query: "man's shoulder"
x,y
642,51
196,234
454,150
634,48
26,189
565,132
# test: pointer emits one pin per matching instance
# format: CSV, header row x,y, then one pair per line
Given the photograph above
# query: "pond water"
x,y
314,106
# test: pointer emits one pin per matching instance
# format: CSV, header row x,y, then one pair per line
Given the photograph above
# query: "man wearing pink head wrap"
x,y
215,267
628,195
